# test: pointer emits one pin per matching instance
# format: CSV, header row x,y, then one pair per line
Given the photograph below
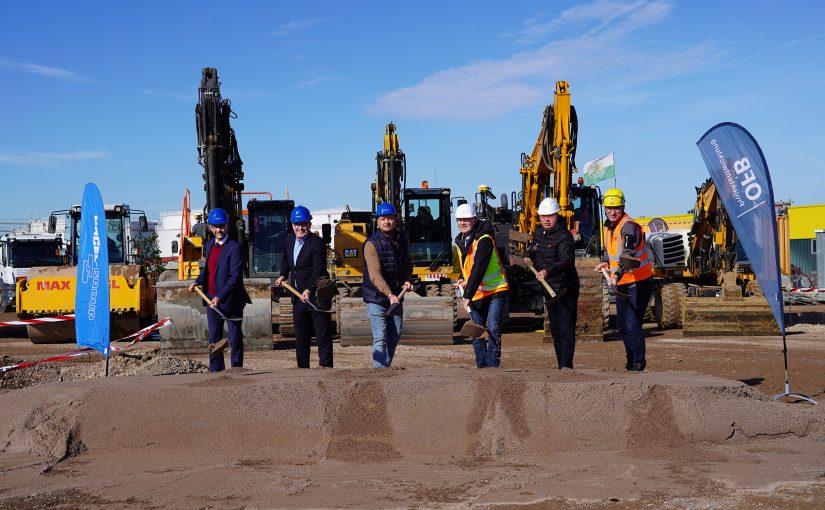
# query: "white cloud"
x,y
603,52
294,28
48,158
41,70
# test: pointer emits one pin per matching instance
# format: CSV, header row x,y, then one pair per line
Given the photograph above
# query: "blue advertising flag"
x,y
92,290
738,168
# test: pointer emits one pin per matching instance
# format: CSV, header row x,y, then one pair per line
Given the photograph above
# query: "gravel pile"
x,y
141,361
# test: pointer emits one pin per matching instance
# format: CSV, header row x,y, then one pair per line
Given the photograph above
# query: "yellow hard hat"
x,y
613,198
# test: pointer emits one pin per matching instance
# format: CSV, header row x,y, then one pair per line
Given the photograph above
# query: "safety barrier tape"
x,y
138,336
41,320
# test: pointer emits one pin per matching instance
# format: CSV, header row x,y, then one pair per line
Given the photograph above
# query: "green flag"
x,y
599,170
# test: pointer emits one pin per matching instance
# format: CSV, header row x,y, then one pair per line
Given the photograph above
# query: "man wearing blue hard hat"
x,y
304,263
222,281
387,270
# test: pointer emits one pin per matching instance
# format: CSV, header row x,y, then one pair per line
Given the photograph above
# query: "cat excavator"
x,y
548,172
429,312
695,266
220,160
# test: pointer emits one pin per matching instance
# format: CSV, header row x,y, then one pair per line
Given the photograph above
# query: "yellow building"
x,y
804,221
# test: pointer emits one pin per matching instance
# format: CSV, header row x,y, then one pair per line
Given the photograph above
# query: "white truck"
x,y
19,252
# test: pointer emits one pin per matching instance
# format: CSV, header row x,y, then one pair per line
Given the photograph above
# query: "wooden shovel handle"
x,y
291,289
546,285
202,295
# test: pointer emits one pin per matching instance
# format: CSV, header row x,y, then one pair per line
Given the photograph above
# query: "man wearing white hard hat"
x,y
483,282
552,250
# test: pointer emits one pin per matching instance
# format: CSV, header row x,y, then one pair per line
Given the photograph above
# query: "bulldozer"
x,y
222,166
703,282
429,312
548,172
48,291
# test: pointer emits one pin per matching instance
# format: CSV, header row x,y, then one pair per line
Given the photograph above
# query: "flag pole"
x,y
787,380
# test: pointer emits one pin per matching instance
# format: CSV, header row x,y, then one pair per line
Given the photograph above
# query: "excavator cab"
x,y
428,226
269,227
586,222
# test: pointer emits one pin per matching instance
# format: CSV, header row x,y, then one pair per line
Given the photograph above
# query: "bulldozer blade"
x,y
711,316
472,330
190,331
427,321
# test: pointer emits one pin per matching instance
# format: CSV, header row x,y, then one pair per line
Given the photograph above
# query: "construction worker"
x,y
303,263
387,270
553,251
483,283
222,282
630,275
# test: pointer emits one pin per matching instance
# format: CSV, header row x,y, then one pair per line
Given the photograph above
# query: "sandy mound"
x,y
435,412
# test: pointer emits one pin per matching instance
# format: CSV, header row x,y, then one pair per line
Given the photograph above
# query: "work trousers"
x,y
632,301
306,319
215,323
488,312
386,333
562,317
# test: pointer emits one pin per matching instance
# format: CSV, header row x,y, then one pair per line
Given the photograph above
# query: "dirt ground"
x,y
696,430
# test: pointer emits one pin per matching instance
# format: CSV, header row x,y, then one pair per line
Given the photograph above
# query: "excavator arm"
x,y
391,171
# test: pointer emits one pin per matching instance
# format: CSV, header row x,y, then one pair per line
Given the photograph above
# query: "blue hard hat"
x,y
300,214
217,216
385,209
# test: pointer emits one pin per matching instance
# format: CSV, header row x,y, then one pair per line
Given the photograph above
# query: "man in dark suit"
x,y
304,261
222,282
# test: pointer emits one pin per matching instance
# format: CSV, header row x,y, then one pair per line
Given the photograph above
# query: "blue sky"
x,y
105,92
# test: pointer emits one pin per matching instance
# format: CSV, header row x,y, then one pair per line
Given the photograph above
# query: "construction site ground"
x,y
696,430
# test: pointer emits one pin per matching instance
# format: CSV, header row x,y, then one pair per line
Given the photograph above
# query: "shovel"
x,y
298,294
470,329
224,317
525,262
392,306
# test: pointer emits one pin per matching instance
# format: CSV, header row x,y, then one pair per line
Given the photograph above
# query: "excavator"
x,y
548,172
48,291
692,267
220,159
429,312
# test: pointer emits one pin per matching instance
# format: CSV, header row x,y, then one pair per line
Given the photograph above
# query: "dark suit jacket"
x,y
232,296
311,264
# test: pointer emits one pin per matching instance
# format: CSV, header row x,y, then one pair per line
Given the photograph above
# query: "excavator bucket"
x,y
427,320
190,331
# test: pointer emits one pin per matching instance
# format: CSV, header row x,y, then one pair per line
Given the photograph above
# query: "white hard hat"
x,y
548,206
465,211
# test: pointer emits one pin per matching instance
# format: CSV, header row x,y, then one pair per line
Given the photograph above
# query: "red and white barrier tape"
x,y
41,320
138,336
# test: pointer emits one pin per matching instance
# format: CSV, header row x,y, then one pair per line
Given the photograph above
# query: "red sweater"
x,y
212,266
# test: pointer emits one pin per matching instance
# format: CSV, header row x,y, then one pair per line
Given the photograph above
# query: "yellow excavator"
x,y
48,291
548,172
223,186
429,312
692,267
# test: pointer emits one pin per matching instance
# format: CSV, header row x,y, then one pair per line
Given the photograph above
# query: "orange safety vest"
x,y
494,279
613,244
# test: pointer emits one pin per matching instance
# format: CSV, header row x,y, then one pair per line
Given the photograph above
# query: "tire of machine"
x,y
752,288
447,290
433,290
667,308
605,308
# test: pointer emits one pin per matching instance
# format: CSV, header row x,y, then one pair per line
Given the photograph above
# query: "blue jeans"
x,y
386,332
630,310
487,312
215,322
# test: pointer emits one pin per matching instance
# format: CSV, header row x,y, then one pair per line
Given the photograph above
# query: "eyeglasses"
x,y
612,209
463,220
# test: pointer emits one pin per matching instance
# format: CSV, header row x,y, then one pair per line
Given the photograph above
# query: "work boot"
x,y
637,367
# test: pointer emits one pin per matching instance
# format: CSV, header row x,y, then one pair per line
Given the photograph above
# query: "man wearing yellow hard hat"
x,y
630,274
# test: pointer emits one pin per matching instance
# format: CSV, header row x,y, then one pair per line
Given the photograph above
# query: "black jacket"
x,y
482,256
553,250
303,273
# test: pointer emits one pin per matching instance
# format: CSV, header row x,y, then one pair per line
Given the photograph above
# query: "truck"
x,y
18,253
